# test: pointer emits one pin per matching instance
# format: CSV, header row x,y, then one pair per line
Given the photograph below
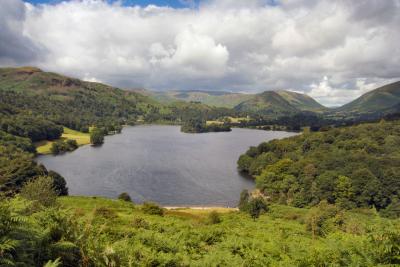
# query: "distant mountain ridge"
x,y
378,100
268,102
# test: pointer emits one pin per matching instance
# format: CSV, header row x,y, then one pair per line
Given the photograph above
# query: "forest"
x,y
351,167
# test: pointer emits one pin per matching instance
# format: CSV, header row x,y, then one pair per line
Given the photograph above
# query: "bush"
x,y
244,200
97,137
61,146
322,218
59,183
152,209
125,197
214,217
40,191
140,223
256,206
105,213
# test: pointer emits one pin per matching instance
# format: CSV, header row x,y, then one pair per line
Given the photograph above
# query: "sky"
x,y
333,51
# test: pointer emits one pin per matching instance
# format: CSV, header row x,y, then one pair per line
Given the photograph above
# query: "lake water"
x,y
161,164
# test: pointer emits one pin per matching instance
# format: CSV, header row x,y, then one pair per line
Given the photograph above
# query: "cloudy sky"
x,y
331,50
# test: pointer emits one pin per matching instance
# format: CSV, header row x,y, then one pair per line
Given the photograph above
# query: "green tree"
x,y
256,207
40,191
125,197
96,137
344,192
244,200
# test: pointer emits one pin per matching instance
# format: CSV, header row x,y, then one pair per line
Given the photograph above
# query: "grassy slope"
x,y
381,98
217,99
302,101
277,238
43,147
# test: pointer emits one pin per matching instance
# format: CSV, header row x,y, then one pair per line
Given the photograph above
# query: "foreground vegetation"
x,y
84,231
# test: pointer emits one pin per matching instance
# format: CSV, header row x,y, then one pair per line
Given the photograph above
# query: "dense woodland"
x,y
352,167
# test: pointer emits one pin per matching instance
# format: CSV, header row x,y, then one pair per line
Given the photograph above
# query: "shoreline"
x,y
200,208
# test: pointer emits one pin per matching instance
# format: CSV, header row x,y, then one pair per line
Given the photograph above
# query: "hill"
x,y
380,99
278,103
211,98
68,101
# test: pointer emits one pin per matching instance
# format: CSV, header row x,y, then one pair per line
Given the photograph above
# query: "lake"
x,y
161,164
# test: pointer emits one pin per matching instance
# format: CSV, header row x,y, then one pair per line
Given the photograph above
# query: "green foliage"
x,y
69,235
351,166
152,209
96,137
61,146
244,200
256,206
214,217
321,216
125,197
40,191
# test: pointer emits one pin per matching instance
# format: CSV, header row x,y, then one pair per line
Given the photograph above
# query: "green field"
x,y
43,147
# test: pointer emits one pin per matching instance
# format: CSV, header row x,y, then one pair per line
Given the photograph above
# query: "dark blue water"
x,y
161,164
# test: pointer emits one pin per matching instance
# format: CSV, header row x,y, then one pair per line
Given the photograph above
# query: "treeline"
x,y
355,166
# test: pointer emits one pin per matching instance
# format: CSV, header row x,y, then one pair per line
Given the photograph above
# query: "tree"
x,y
40,191
244,200
96,137
244,163
256,206
214,217
59,183
344,192
125,197
152,209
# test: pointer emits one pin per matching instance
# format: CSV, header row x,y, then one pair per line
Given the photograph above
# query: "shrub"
x,y
152,209
105,213
256,206
41,191
59,183
244,200
97,137
322,217
214,217
125,197
140,223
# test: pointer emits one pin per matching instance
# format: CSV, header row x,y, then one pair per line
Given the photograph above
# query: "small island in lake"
x,y
201,126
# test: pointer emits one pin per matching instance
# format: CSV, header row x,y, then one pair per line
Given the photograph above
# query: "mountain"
x,y
378,100
302,102
211,98
279,103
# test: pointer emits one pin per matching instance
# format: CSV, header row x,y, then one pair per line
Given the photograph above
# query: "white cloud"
x,y
334,50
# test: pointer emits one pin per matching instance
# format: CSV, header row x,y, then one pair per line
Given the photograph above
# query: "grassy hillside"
x,y
103,232
230,100
267,103
302,102
68,101
279,103
212,98
382,98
